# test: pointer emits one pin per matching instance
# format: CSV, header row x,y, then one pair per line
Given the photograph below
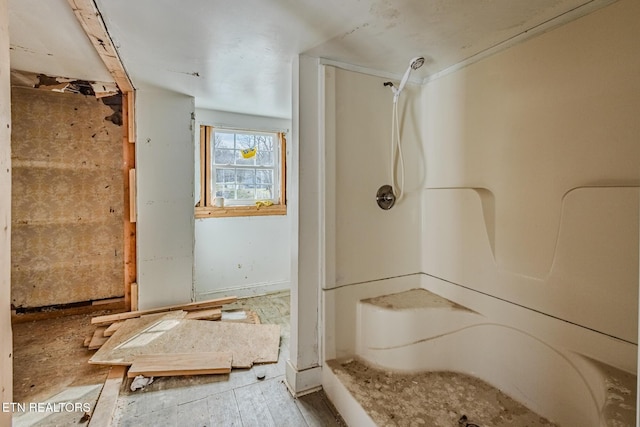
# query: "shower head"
x,y
416,63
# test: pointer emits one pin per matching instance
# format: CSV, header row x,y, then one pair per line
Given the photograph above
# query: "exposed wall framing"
x,y
93,25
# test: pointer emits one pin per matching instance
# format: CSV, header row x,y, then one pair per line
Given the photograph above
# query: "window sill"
x,y
234,211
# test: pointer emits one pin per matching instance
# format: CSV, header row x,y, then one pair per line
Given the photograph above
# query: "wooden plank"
x,y
248,343
131,116
106,405
134,297
87,341
208,314
98,338
132,196
110,318
253,406
112,328
93,26
165,365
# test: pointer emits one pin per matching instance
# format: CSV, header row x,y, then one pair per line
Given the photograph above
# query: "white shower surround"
x,y
529,282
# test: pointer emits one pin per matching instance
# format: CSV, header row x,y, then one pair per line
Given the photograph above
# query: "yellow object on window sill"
x,y
261,203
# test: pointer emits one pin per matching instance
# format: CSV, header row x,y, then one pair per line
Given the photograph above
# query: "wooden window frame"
x,y
205,208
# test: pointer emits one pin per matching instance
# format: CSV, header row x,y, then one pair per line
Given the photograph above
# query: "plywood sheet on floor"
x,y
248,343
165,365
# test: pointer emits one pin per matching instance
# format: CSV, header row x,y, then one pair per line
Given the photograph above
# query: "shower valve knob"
x,y
385,197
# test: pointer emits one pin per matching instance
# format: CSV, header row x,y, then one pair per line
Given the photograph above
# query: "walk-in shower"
x,y
388,195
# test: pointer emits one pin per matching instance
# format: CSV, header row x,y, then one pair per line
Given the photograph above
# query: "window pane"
x,y
242,161
223,157
245,141
264,142
264,158
223,140
264,176
247,177
246,192
264,192
226,191
225,176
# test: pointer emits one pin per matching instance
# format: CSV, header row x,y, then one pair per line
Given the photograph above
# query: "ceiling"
x,y
237,55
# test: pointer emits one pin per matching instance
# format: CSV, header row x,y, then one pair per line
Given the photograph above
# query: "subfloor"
x,y
50,364
431,399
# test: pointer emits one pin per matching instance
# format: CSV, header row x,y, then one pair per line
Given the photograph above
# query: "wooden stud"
x,y
128,162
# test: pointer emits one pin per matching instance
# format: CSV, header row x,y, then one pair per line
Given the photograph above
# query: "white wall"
x,y
533,167
244,255
6,350
165,196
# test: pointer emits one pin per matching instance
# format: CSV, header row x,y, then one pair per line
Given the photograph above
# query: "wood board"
x,y
106,405
207,314
98,338
110,318
164,365
248,343
113,328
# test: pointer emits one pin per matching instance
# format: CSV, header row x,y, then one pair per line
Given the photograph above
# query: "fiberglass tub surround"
x,y
520,207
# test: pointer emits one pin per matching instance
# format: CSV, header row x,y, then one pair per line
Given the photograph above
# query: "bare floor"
x,y
431,399
50,365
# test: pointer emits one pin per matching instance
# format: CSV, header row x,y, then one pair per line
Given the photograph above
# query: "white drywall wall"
x,y
243,255
6,350
533,164
165,196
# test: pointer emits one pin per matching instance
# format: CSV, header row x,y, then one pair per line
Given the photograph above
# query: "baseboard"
x,y
303,382
251,290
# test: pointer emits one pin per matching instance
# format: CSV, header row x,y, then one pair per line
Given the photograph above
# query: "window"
x,y
245,169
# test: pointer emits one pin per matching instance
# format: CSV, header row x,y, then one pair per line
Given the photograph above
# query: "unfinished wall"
x,y
6,350
67,199
241,255
533,167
